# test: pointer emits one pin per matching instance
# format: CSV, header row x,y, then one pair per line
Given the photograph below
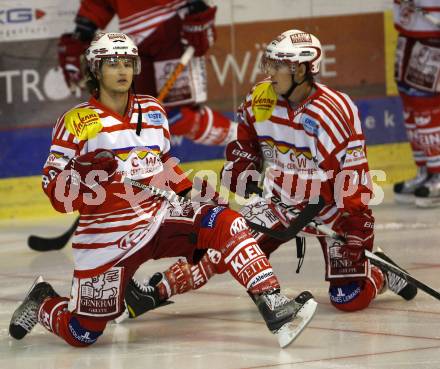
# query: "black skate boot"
x,y
404,192
142,297
428,194
24,318
286,318
395,283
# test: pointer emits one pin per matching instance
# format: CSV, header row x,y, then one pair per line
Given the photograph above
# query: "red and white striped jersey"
x,y
113,223
318,143
137,18
417,18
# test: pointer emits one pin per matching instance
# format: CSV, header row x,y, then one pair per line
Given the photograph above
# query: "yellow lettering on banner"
x,y
83,123
264,100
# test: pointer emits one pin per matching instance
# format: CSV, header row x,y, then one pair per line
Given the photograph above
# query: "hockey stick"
x,y
303,218
38,243
374,259
385,265
171,80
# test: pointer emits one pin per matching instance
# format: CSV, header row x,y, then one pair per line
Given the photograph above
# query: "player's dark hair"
x,y
92,83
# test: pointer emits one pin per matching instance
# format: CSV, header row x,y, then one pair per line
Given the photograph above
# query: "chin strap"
x,y
139,121
292,88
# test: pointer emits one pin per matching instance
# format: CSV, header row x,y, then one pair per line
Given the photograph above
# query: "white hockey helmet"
x,y
294,47
112,45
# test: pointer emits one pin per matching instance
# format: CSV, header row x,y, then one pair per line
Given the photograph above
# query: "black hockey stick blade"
x,y
383,264
303,219
42,244
283,234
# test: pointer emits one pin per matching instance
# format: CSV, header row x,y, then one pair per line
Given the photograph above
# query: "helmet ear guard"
x,y
111,45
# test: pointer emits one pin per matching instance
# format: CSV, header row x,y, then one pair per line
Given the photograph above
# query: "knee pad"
x,y
80,336
352,296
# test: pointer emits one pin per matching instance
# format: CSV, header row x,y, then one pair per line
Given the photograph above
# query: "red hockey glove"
x,y
103,160
198,30
243,157
70,50
358,230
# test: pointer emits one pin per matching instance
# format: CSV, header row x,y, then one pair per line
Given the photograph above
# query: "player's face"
x,y
116,74
280,75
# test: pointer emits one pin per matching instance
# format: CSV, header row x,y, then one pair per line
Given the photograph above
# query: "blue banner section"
x,y
382,120
24,151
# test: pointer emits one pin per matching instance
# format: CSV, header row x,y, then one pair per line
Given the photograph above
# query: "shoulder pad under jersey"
x,y
264,100
83,123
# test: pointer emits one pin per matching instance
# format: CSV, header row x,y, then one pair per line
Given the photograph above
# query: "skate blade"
x,y
37,280
427,203
290,331
404,198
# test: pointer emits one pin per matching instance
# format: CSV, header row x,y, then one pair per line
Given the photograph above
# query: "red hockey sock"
x,y
76,331
182,276
248,264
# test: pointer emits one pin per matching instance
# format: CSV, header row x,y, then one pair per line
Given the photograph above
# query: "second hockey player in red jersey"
x,y
308,138
117,135
417,74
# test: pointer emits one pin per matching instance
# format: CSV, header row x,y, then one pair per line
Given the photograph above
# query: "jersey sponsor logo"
x,y
264,100
344,294
82,335
300,38
100,295
83,123
355,154
248,257
139,162
140,151
210,218
238,225
155,118
310,125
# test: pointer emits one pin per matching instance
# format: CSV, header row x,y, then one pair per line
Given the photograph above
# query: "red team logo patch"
x,y
99,296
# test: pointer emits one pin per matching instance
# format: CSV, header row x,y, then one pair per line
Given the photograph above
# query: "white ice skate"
x,y
404,191
428,195
25,317
286,318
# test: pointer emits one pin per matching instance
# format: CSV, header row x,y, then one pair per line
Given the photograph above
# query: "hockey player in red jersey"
x,y
417,74
161,29
95,146
309,140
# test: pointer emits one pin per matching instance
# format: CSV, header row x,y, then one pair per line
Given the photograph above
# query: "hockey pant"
x,y
348,290
188,116
185,231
